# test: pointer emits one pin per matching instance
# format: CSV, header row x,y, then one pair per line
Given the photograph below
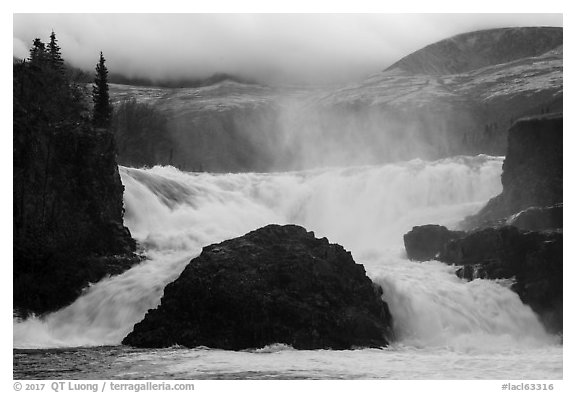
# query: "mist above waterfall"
x,y
392,116
235,127
341,129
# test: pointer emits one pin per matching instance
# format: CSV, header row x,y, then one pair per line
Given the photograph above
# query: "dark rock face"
x,y
504,245
538,218
534,259
518,234
532,171
427,242
278,284
68,214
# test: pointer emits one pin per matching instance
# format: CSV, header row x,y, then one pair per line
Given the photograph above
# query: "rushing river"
x,y
446,328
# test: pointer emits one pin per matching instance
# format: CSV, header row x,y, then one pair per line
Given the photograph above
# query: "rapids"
x,y
367,209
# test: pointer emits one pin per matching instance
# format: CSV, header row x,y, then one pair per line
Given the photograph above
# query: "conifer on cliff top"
x,y
102,113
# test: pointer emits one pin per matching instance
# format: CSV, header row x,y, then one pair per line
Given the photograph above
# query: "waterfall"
x,y
367,209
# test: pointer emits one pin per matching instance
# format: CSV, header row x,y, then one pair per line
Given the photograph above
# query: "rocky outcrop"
x,y
427,242
538,218
532,259
532,171
518,234
278,284
68,213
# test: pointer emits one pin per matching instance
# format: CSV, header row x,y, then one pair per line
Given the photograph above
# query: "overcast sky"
x,y
286,48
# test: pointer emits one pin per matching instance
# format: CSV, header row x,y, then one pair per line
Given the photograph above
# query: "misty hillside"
x,y
470,51
397,114
79,75
178,83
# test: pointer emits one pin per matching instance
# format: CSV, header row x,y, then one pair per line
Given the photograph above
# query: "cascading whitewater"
x,y
366,209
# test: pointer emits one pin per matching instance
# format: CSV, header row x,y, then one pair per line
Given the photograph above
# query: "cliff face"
x,y
68,213
532,171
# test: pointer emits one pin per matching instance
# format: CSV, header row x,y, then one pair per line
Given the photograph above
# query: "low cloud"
x,y
287,48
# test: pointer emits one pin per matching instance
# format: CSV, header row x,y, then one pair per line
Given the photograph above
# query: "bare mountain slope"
x,y
470,51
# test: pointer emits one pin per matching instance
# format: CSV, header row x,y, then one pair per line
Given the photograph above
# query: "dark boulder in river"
x,y
277,284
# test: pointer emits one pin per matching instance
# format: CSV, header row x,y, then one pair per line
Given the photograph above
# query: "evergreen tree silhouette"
x,y
38,55
54,55
102,113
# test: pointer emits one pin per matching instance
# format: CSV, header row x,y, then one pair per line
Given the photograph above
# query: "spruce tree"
x,y
38,53
102,109
47,88
54,54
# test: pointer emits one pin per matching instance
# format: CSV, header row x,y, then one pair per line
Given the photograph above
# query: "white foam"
x,y
366,209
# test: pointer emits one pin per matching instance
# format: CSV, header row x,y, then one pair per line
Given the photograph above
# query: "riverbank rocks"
x,y
426,242
518,234
277,284
538,218
532,259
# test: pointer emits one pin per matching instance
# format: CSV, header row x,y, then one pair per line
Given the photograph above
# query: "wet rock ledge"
x,y
533,259
277,284
517,234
